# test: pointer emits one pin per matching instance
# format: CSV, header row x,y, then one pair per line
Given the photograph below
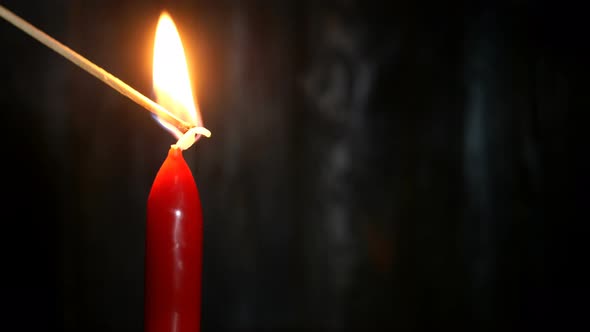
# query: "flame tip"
x,y
165,14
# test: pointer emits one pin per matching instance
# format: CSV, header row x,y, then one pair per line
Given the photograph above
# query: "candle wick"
x,y
191,136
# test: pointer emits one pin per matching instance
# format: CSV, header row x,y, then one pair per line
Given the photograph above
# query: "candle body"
x,y
173,257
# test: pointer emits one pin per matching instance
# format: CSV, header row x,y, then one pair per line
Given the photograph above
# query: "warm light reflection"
x,y
172,86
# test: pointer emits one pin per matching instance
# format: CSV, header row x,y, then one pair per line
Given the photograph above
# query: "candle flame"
x,y
172,85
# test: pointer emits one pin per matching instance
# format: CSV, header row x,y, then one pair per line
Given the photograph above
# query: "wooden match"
x,y
100,73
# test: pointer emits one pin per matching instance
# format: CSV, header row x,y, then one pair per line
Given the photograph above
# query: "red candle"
x,y
174,236
174,230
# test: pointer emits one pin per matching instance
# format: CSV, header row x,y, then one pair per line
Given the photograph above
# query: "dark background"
x,y
402,166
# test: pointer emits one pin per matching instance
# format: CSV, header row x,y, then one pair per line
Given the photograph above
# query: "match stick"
x,y
99,73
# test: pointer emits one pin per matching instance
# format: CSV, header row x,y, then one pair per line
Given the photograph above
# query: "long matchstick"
x,y
99,73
